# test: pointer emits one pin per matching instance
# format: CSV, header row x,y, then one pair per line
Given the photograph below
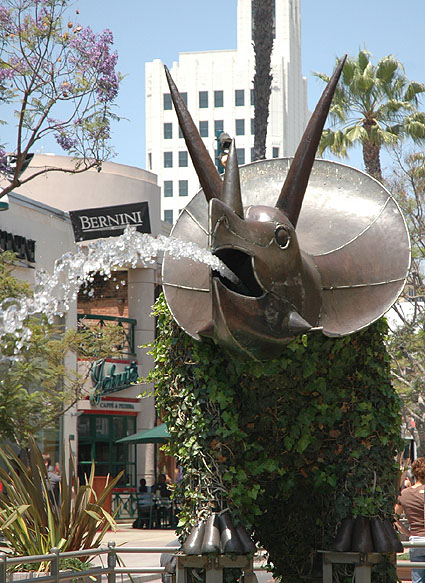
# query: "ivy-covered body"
x,y
293,445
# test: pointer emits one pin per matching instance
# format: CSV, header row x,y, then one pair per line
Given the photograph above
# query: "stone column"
x,y
141,297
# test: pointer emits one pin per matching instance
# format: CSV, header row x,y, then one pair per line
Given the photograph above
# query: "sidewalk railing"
x,y
110,555
113,565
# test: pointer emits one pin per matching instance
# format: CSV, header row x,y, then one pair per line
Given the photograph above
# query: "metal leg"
x,y
362,573
327,571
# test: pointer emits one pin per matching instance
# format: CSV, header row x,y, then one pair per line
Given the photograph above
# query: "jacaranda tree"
x,y
57,78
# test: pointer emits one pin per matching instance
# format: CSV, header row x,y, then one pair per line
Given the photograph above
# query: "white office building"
x,y
217,86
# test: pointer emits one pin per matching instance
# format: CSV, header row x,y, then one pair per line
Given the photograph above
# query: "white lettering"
x,y
85,222
112,220
94,223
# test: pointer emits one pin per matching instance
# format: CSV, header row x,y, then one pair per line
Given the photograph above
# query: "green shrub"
x,y
291,446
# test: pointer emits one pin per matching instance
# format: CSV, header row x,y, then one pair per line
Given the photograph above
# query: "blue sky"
x,y
145,30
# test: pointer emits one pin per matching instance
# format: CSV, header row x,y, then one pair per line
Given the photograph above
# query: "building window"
x,y
168,217
252,97
183,188
218,126
275,152
168,131
150,160
239,97
252,127
168,104
252,154
240,127
183,95
168,159
218,99
203,129
97,435
168,188
203,99
183,159
240,152
180,133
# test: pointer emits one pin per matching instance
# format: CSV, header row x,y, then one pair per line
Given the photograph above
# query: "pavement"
x,y
127,537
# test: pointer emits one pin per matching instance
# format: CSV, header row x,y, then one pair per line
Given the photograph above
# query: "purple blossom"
x,y
65,141
94,51
4,166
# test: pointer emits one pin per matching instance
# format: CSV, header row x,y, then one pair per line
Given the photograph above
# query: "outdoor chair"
x,y
144,511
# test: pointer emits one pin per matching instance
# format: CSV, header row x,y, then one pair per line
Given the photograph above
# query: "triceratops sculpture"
x,y
327,251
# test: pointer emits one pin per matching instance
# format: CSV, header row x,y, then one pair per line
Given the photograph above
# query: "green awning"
x,y
158,434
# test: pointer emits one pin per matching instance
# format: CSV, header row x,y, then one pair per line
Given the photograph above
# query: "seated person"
x,y
143,489
161,487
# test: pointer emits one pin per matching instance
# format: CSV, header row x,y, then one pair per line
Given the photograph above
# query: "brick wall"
x,y
106,297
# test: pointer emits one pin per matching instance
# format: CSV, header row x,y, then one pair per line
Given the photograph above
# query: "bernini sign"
x,y
110,221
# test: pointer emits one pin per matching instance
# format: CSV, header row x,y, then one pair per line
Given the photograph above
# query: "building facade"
x,y
111,407
218,89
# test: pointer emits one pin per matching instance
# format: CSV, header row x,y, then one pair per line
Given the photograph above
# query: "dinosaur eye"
x,y
282,237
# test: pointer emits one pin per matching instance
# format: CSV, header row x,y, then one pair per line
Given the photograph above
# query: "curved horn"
x,y
232,185
208,175
292,193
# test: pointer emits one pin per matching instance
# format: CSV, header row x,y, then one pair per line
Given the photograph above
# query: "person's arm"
x,y
399,510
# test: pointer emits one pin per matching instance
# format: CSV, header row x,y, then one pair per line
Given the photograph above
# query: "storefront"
x,y
38,224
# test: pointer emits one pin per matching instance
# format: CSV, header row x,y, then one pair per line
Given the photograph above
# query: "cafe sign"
x,y
97,223
106,379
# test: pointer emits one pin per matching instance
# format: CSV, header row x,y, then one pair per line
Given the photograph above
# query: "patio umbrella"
x,y
158,434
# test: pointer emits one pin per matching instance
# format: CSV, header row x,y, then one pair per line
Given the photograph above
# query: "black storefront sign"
x,y
23,247
110,221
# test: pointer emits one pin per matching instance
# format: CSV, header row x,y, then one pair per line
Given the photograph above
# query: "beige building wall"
x,y
39,211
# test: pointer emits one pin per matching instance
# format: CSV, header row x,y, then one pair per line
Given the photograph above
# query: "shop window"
x,y
97,435
239,97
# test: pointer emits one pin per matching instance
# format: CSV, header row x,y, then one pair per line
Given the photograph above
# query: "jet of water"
x,y
54,293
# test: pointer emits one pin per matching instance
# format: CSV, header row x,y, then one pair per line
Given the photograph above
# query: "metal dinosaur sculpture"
x,y
327,251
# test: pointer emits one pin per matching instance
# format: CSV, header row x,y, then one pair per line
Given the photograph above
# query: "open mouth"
x,y
240,264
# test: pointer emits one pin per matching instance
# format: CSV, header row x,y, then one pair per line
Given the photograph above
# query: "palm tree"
x,y
374,105
263,20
